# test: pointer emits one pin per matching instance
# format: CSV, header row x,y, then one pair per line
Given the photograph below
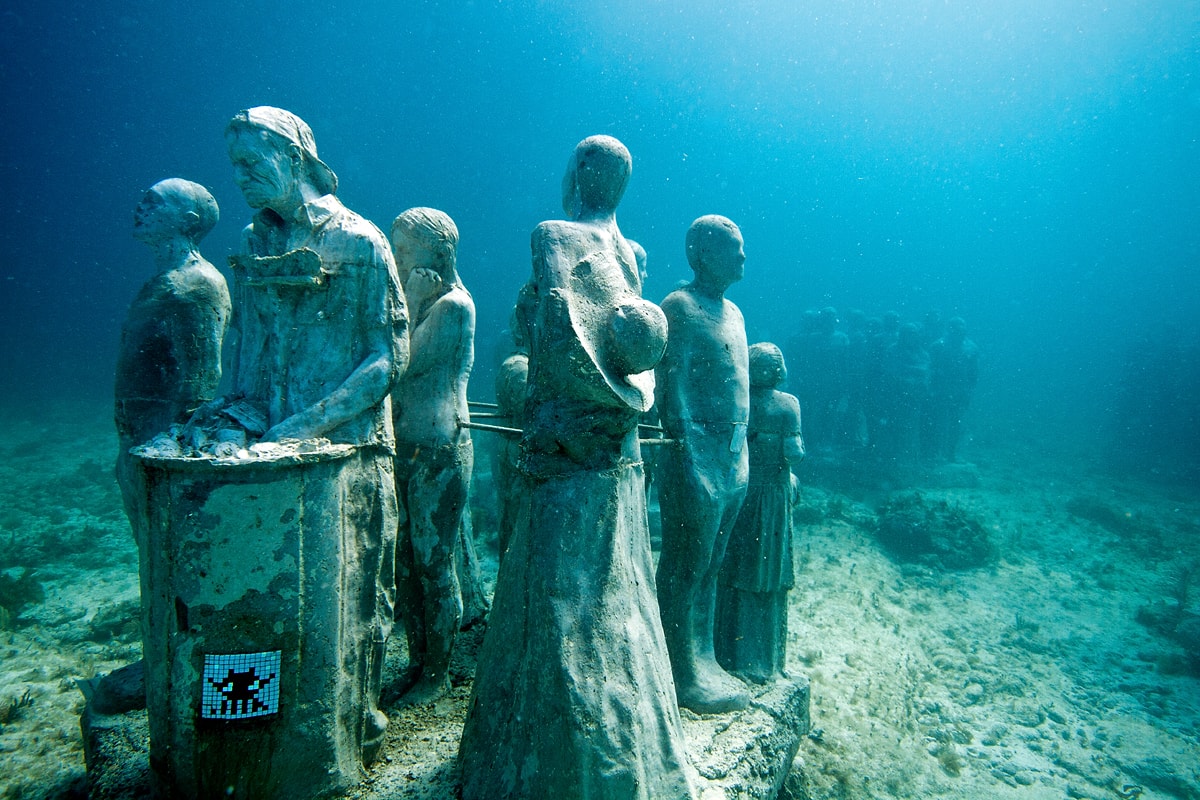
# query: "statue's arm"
x,y
198,325
673,375
793,440
443,335
387,340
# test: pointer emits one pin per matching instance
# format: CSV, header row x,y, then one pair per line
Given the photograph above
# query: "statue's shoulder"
x,y
354,226
790,405
455,304
199,282
682,300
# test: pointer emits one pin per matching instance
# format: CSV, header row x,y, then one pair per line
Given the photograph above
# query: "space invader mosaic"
x,y
240,686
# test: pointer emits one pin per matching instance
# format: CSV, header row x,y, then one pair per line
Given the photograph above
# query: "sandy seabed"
x,y
1047,673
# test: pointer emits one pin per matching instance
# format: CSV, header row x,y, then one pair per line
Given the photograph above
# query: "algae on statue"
x,y
703,401
573,695
752,587
434,456
169,360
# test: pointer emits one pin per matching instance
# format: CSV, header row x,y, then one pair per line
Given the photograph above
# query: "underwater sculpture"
x,y
169,360
703,402
270,571
573,695
954,371
434,455
512,490
752,587
906,393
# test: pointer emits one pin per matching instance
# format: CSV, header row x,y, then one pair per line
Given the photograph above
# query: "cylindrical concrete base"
x,y
258,596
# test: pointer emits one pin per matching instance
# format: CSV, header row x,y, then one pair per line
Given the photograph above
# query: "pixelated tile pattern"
x,y
240,686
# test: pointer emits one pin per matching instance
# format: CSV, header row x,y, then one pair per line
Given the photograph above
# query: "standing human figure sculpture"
x,y
434,456
703,400
953,373
512,489
573,696
323,336
169,360
906,384
751,637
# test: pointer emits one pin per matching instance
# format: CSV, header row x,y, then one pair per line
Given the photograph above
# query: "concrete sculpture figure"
x,y
703,402
512,490
270,569
573,696
954,371
751,621
434,456
169,361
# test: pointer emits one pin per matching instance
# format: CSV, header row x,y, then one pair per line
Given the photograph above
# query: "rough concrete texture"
x,y
746,754
241,558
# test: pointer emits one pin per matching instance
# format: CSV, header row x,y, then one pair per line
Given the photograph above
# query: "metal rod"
x,y
490,416
482,404
655,428
479,426
645,442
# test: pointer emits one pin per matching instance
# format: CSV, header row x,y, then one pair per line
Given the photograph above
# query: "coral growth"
x,y
16,592
942,534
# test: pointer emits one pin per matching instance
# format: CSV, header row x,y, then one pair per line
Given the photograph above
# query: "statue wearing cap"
x,y
322,336
573,696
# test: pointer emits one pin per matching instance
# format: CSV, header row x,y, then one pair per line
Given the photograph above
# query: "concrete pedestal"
x,y
252,599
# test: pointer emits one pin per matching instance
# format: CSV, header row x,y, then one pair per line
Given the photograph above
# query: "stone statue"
x,y
573,696
751,630
954,371
703,402
169,362
323,336
512,489
433,451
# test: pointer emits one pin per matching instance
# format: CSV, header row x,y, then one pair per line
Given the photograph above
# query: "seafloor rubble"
x,y
1056,669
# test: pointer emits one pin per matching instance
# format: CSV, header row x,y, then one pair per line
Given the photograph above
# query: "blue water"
x,y
1032,166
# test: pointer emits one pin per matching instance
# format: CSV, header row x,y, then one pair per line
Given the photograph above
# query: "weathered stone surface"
x,y
745,754
702,394
245,558
573,696
116,749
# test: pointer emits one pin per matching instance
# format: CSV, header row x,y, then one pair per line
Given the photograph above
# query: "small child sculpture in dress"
x,y
751,628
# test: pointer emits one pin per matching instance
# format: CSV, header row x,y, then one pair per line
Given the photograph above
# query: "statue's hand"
x,y
422,285
291,428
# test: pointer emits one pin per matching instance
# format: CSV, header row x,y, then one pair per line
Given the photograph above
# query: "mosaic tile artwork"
x,y
240,686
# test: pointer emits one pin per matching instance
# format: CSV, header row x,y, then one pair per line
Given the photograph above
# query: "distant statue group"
x,y
894,391
344,337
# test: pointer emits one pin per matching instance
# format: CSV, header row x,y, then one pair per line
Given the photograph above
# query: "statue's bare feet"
x,y
373,736
714,691
426,690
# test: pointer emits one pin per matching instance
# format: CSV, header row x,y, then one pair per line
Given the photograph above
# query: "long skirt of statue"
x,y
751,621
574,696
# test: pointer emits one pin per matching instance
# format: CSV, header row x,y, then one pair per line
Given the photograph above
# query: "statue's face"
x,y
265,172
726,258
153,218
412,254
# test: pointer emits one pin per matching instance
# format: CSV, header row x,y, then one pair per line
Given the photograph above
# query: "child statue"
x,y
751,625
434,456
